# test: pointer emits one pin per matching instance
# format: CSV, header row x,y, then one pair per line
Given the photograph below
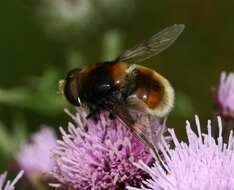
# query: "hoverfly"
x,y
120,85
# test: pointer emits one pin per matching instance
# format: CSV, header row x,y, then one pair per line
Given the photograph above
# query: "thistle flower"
x,y
224,96
34,157
100,154
8,185
83,19
204,163
69,10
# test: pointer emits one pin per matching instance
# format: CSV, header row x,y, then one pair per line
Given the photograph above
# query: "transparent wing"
x,y
153,46
142,135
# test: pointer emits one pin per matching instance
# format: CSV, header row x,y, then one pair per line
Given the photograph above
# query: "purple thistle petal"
x,y
225,97
204,163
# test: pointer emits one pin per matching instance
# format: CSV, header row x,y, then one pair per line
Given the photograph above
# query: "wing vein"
x,y
153,46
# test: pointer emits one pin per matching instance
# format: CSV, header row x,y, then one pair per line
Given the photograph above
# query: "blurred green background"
x,y
41,40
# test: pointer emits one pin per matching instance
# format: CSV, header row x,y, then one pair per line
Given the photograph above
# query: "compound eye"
x,y
71,91
71,87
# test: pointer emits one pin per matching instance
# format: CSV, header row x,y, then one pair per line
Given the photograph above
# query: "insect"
x,y
121,85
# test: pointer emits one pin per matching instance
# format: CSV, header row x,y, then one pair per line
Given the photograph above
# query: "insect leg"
x,y
94,110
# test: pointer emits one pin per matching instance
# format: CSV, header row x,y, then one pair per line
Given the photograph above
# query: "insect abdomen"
x,y
152,89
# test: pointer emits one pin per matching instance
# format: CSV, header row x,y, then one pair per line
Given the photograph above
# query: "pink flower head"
x,y
91,158
8,185
34,157
225,95
204,163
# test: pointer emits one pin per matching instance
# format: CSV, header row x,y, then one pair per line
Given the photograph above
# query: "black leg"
x,y
112,116
93,113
